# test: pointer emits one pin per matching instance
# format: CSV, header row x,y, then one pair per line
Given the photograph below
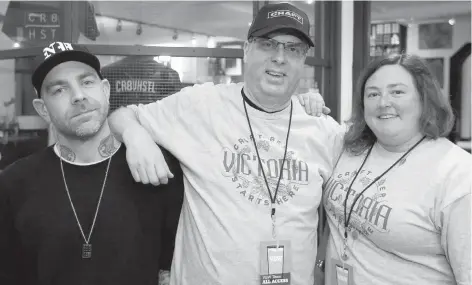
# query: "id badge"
x,y
275,262
341,273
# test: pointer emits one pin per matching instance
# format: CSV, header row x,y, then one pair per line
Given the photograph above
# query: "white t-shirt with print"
x,y
226,211
410,227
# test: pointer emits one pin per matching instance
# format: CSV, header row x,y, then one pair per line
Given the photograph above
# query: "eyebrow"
x,y
87,74
396,84
389,86
289,42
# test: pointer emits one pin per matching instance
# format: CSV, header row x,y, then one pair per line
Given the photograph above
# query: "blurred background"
x,y
150,50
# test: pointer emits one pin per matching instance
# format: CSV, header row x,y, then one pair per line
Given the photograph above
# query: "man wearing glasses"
x,y
254,162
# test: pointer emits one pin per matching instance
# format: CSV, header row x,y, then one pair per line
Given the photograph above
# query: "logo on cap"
x,y
285,13
56,47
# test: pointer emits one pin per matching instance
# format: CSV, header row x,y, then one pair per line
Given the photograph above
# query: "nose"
x,y
384,100
77,94
279,55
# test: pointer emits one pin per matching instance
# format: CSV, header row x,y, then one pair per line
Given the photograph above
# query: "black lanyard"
x,y
272,198
346,220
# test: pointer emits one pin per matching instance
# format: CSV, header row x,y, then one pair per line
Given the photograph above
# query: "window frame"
x,y
325,60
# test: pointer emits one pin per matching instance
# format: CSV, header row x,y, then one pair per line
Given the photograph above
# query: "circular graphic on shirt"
x,y
241,165
371,210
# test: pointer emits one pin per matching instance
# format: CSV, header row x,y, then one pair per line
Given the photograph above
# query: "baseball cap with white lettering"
x,y
57,53
281,16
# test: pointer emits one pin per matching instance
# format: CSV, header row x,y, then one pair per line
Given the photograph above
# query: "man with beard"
x,y
72,213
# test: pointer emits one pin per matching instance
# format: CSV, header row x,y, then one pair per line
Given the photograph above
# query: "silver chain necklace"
x,y
86,247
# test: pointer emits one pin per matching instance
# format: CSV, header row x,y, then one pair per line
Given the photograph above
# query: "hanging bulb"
x,y
119,26
139,29
211,42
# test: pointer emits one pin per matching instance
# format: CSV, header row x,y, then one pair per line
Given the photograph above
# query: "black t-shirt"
x,y
40,241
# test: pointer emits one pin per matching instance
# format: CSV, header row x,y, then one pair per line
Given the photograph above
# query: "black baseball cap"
x,y
281,16
57,53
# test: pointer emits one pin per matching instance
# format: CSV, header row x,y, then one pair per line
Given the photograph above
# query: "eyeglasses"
x,y
295,50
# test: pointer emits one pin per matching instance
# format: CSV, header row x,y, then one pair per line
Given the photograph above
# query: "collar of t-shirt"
x,y
250,103
58,153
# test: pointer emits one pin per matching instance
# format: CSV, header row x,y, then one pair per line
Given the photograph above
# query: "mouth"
x,y
387,116
83,113
276,74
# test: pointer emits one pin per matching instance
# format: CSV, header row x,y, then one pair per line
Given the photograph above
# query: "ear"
x,y
246,50
305,56
106,88
41,109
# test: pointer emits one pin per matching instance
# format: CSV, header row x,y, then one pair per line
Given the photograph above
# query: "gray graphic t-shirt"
x,y
410,227
226,212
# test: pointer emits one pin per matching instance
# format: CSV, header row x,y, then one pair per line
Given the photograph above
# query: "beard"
x,y
82,130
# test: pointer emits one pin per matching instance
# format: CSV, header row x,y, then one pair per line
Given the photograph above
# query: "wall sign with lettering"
x,y
34,23
42,26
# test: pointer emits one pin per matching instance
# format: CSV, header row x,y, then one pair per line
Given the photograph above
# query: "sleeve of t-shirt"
x,y
172,204
455,222
165,118
336,137
7,257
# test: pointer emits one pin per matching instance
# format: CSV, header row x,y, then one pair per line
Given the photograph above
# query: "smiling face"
x,y
75,99
272,74
392,105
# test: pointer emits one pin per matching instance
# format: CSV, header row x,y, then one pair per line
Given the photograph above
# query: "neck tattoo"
x,y
107,146
66,153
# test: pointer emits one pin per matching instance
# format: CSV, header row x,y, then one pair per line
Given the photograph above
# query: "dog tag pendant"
x,y
344,254
86,250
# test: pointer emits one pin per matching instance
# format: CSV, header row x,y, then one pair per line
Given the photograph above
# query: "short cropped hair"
x,y
437,118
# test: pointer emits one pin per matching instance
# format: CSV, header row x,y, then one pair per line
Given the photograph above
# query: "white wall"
x,y
461,35
347,46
